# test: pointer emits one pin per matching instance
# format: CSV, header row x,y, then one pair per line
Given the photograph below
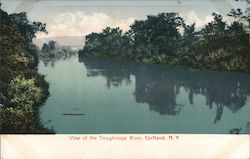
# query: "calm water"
x,y
123,97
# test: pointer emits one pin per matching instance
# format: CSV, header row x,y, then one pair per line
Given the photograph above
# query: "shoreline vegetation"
x,y
218,46
52,52
23,89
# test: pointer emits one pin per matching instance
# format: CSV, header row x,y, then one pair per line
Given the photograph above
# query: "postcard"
x,y
124,79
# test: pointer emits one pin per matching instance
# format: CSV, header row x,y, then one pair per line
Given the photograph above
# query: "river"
x,y
95,96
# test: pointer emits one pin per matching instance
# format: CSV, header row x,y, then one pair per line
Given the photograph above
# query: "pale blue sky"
x,y
72,18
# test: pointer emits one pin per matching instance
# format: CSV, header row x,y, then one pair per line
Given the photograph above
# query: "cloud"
x,y
192,17
79,23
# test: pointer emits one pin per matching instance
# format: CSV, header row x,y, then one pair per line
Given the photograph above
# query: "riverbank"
x,y
166,39
23,90
213,62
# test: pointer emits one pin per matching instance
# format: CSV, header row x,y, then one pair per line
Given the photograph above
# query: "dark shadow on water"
x,y
158,85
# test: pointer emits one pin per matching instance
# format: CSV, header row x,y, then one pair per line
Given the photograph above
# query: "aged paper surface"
x,y
95,146
215,98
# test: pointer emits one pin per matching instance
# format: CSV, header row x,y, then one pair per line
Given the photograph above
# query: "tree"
x,y
27,28
190,35
45,47
28,31
110,42
239,15
162,31
52,45
111,39
213,35
215,28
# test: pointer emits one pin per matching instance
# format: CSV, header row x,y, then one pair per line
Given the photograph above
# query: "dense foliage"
x,y
22,89
158,39
53,50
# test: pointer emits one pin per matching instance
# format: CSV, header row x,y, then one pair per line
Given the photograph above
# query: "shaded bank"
x,y
23,89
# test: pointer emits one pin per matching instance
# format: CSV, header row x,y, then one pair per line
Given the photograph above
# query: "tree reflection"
x,y
113,71
159,86
50,61
156,89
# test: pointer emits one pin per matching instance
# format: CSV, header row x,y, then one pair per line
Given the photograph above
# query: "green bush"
x,y
23,93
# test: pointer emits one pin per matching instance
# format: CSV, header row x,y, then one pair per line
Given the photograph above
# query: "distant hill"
x,y
76,42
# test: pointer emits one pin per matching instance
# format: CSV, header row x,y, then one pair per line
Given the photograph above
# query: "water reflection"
x,y
50,61
159,85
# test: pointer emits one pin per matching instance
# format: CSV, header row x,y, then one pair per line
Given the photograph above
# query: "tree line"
x,y
22,88
217,46
52,49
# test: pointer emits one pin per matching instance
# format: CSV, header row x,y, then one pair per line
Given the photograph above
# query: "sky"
x,y
81,17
